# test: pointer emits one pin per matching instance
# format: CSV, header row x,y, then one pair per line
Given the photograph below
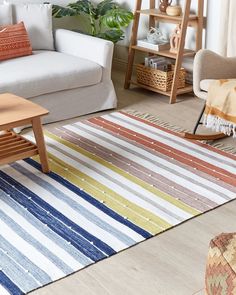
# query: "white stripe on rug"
x,y
92,210
117,188
69,212
3,291
30,252
128,150
173,141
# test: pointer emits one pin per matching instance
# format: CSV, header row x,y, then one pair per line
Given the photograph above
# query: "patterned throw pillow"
x,y
14,41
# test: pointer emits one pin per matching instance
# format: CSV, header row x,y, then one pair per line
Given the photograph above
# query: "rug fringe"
x,y
151,118
154,119
219,125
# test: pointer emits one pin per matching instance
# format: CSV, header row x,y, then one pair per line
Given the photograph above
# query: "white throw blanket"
x,y
220,113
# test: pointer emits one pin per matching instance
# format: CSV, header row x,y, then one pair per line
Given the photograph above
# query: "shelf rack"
x,y
186,20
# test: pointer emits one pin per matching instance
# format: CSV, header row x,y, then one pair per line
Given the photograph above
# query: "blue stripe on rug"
x,y
77,255
73,204
19,258
9,285
36,244
16,274
81,239
92,201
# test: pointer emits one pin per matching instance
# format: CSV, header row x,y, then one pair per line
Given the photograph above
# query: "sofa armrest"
x,y
209,65
85,46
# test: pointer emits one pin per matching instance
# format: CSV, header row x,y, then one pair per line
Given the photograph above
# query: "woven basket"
x,y
159,79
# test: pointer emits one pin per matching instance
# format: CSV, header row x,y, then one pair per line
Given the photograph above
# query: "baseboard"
x,y
119,64
120,58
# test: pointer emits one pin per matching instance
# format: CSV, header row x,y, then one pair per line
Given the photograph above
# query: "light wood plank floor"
x,y
172,263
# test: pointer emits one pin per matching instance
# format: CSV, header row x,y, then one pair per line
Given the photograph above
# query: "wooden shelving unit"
x,y
186,20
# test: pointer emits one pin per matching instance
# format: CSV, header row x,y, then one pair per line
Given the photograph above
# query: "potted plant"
x,y
107,19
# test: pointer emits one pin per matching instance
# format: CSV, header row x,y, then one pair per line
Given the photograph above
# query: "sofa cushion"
x,y
46,72
38,22
204,84
14,41
5,14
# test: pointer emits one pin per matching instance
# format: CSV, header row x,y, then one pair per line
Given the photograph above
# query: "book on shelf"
x,y
156,62
144,43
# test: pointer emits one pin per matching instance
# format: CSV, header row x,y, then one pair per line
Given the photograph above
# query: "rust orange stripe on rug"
x,y
166,185
216,150
151,165
155,172
166,150
115,181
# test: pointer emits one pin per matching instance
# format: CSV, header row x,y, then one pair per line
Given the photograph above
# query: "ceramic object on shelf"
x,y
175,39
164,4
155,36
174,10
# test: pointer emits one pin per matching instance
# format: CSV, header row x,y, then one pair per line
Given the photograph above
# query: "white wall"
x,y
213,24
212,10
213,20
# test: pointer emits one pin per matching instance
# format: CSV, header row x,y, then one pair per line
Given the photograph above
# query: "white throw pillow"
x,y
5,14
38,22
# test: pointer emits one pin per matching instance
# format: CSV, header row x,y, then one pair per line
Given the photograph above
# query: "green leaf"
x,y
117,18
59,11
113,35
106,20
104,6
84,6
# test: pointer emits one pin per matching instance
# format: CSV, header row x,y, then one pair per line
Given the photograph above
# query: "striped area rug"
x,y
116,180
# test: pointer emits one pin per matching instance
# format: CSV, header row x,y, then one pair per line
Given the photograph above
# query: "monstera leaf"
x,y
104,6
84,6
59,11
113,35
117,18
106,19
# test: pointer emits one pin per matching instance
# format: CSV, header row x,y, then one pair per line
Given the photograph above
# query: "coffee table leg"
x,y
38,133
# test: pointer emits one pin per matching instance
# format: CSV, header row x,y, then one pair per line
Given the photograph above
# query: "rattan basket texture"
x,y
159,79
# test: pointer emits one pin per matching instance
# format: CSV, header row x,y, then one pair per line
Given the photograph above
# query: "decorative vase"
x,y
164,4
174,10
175,39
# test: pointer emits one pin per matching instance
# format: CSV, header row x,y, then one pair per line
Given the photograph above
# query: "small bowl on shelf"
x,y
175,10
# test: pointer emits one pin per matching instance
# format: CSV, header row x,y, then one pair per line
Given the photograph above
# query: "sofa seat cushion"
x,y
47,72
204,84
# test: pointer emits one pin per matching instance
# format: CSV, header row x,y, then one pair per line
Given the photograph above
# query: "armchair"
x,y
209,66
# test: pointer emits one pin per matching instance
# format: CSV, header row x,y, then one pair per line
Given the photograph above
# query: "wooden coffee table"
x,y
15,112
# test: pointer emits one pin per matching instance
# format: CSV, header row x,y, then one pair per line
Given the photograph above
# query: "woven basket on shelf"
x,y
157,78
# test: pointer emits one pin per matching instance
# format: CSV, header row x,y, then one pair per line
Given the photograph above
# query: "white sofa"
x,y
71,77
73,80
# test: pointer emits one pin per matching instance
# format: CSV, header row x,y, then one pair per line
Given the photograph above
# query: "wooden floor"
x,y
172,263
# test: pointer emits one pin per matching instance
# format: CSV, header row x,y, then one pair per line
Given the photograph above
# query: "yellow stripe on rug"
x,y
128,176
122,206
